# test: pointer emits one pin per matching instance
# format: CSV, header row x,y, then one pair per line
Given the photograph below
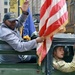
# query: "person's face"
x,y
59,53
10,24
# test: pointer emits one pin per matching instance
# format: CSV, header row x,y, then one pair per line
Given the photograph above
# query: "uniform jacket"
x,y
64,66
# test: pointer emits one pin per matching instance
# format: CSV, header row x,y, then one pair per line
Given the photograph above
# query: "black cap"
x,y
9,16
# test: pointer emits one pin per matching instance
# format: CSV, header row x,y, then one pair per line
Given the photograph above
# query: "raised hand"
x,y
25,6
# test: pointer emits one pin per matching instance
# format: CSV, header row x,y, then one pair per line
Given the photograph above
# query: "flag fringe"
x,y
60,29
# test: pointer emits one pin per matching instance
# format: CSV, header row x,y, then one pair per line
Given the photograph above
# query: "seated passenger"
x,y
59,63
11,35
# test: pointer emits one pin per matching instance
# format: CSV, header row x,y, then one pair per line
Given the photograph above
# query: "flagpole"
x,y
18,7
50,61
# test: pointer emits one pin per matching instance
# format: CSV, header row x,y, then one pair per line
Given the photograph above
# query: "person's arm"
x,y
23,16
19,45
21,19
64,66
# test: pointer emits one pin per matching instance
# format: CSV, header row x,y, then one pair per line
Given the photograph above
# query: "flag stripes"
x,y
53,16
56,24
53,10
45,7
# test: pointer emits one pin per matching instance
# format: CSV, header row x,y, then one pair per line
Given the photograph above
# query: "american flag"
x,y
53,18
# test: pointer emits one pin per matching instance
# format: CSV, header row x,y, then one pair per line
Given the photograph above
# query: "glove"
x,y
26,37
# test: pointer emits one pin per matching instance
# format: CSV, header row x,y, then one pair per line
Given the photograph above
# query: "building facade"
x,y
4,8
35,6
5,5
71,13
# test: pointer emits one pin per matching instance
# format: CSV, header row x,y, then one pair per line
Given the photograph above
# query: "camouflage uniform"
x,y
64,66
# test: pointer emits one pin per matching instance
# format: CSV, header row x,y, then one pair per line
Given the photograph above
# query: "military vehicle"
x,y
46,68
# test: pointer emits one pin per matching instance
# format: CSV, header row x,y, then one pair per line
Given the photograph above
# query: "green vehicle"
x,y
46,67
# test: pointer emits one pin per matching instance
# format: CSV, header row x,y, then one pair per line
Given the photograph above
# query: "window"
x,y
5,10
5,2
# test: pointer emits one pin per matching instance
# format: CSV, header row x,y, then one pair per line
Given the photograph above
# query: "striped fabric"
x,y
53,18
